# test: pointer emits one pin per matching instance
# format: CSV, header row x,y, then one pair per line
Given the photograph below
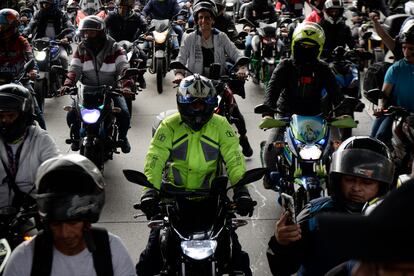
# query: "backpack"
x,y
99,246
374,78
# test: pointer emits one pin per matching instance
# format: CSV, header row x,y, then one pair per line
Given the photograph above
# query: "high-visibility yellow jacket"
x,y
192,158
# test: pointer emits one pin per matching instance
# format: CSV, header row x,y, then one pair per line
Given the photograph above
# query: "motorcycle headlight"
x,y
160,37
90,116
310,152
39,55
199,249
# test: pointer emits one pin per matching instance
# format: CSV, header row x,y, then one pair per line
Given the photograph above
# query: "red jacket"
x,y
14,54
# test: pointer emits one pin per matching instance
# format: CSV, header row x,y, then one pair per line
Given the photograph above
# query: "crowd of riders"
x,y
196,144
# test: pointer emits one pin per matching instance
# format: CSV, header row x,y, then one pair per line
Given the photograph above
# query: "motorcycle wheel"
x,y
40,89
94,154
160,74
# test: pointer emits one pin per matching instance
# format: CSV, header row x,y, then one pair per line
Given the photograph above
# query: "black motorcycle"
x,y
99,131
196,244
17,224
47,53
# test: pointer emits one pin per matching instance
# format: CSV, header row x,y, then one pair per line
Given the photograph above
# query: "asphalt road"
x,y
118,214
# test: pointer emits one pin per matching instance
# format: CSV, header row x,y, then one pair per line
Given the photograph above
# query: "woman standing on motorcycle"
x,y
98,49
302,84
208,45
361,170
187,151
23,146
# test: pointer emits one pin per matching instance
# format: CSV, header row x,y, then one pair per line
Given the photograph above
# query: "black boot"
x,y
244,143
141,81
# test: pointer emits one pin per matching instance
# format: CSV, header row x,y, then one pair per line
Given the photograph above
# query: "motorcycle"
x,y
372,42
266,49
345,66
402,141
16,226
305,152
90,7
134,51
160,37
201,247
46,52
99,131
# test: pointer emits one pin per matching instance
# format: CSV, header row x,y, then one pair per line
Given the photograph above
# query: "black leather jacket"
x,y
332,39
120,28
40,20
302,89
225,23
260,12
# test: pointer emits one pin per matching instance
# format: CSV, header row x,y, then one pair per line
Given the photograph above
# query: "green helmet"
x,y
308,33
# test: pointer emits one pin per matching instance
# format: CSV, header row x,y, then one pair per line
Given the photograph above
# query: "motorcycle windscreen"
x,y
90,7
92,96
308,129
195,215
160,25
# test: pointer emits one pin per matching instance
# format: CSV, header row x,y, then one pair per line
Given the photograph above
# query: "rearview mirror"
x,y
137,178
263,108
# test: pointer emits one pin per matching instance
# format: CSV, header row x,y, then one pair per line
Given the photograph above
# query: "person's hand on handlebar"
x,y
127,93
242,73
178,78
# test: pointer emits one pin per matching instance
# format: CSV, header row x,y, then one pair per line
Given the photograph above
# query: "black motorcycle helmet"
x,y
220,4
196,100
69,187
16,98
333,11
93,23
407,37
364,157
206,5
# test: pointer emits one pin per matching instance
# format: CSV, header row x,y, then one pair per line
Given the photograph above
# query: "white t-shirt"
x,y
20,262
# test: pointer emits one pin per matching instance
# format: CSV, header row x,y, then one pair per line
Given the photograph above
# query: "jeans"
x,y
248,44
382,129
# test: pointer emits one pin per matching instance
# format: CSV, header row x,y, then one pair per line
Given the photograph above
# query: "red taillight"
x,y
269,40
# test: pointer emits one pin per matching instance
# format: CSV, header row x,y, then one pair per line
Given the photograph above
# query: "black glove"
x,y
150,203
244,203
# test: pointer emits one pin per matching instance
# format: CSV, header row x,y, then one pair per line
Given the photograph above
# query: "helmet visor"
x,y
65,206
363,163
9,102
190,99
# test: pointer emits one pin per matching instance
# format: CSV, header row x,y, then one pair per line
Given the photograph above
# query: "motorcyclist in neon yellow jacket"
x,y
188,150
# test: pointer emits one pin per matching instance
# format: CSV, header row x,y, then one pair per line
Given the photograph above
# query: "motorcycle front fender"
x,y
159,54
42,75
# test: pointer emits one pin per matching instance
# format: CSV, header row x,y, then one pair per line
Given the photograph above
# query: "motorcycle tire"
x,y
40,88
160,74
96,155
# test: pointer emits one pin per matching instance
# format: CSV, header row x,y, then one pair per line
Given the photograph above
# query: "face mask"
x,y
11,132
96,43
304,55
